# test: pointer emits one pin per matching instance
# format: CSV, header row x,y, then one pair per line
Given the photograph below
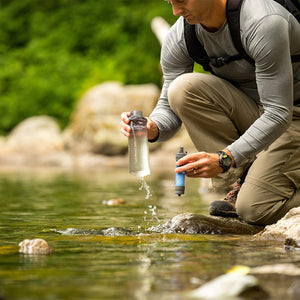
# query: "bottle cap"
x,y
136,114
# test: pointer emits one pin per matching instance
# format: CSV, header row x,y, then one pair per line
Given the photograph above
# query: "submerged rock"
x,y
201,224
287,227
112,231
75,231
116,231
35,246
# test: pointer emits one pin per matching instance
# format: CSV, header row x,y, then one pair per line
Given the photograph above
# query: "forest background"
x,y
52,51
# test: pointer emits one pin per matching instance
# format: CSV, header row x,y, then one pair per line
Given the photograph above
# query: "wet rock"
x,y
287,227
95,123
291,244
35,135
229,286
116,231
201,224
35,246
112,231
75,231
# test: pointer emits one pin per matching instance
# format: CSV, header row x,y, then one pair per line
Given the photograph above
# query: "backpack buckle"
x,y
219,62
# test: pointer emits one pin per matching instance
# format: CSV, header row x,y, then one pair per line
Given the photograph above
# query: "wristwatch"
x,y
225,161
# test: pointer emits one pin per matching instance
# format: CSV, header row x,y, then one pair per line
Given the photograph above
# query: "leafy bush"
x,y
52,51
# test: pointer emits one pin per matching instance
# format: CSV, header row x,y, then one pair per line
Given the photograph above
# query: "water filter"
x,y
138,151
180,177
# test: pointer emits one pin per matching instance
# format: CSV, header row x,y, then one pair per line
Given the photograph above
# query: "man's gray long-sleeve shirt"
x,y
270,35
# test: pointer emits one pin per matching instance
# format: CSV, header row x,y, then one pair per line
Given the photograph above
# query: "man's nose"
x,y
176,10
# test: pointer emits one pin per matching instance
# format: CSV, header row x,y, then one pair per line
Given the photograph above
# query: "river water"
x,y
112,252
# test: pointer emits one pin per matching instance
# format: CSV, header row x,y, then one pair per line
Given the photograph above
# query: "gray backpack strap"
x,y
195,48
233,10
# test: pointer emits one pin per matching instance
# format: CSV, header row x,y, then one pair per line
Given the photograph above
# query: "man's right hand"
x,y
125,128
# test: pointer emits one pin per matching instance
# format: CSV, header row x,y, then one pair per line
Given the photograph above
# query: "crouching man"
x,y
245,114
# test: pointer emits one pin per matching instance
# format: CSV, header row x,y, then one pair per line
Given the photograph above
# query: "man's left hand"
x,y
201,164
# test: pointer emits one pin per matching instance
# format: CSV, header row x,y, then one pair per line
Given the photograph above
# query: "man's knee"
x,y
247,211
183,89
177,93
260,206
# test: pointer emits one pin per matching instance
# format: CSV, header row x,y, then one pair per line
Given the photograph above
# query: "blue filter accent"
x,y
179,183
180,179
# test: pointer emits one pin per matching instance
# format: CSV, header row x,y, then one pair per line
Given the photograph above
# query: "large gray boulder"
x,y
287,227
95,123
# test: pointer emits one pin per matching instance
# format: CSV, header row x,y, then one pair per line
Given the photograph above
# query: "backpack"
x,y
233,8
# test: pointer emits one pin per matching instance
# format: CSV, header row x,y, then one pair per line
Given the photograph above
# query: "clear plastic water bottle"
x,y
138,145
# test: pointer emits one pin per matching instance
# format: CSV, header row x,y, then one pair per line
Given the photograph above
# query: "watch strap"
x,y
222,157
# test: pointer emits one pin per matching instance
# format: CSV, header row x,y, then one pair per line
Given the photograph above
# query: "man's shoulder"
x,y
253,11
174,42
176,31
174,52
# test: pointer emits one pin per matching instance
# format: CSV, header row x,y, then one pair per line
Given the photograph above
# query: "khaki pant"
x,y
215,113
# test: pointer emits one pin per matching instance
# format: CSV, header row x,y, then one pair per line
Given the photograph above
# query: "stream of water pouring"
x,y
151,208
145,186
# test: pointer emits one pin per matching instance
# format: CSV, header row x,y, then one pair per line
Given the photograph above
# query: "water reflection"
x,y
30,261
108,252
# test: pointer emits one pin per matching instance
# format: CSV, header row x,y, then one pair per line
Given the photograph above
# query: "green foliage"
x,y
52,51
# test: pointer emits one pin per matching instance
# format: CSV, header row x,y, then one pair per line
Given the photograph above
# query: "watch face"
x,y
226,160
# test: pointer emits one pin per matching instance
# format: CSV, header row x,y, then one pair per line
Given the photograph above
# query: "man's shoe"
x,y
222,208
226,207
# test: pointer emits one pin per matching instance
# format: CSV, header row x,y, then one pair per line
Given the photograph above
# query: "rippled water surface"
x,y
109,252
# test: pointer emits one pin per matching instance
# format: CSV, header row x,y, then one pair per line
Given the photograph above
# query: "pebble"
x,y
35,246
113,202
